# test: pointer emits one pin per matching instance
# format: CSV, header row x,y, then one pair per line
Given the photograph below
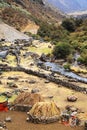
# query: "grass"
x,y
12,98
40,50
11,60
21,10
78,70
3,98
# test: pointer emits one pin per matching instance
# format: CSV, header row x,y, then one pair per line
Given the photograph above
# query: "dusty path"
x,y
19,123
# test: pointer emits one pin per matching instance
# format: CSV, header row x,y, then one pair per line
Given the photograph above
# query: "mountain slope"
x,y
69,6
19,13
10,34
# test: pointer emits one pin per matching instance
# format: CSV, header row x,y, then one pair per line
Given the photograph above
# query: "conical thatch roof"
x,y
44,112
27,98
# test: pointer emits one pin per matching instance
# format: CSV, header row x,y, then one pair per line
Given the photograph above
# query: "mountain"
x,y
23,14
69,6
10,34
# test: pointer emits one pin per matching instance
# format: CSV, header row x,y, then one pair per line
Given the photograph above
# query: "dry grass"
x,y
27,98
44,109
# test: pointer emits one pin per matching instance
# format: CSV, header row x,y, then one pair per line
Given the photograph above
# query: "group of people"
x,y
70,120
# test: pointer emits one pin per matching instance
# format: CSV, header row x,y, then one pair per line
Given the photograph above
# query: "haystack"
x,y
44,112
26,100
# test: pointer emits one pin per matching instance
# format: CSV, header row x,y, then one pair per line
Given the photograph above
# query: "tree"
x,y
69,24
52,32
62,50
83,58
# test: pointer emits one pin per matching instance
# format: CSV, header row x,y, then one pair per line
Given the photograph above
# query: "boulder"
x,y
72,98
35,90
8,119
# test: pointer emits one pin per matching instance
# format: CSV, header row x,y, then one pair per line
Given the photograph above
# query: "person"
x,y
65,119
78,121
73,121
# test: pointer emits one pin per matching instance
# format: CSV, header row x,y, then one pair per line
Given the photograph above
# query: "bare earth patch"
x,y
19,123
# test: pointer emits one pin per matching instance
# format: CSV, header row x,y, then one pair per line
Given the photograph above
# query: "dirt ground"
x,y
58,92
19,123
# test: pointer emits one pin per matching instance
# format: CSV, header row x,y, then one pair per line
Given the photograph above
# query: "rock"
x,y
31,64
25,88
47,81
86,124
12,85
12,78
2,125
40,64
50,97
23,108
73,109
32,82
35,90
3,54
8,119
71,98
0,82
49,46
43,57
27,119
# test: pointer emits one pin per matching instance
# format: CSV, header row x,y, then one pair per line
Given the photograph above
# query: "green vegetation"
x,y
67,67
71,24
83,58
62,50
50,32
2,98
3,4
69,37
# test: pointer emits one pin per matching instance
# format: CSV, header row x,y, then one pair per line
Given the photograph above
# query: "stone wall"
x,y
46,76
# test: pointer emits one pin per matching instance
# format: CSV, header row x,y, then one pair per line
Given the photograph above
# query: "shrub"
x,y
69,25
83,58
67,66
62,50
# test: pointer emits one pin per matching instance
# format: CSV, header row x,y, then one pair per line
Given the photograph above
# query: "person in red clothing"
x,y
4,106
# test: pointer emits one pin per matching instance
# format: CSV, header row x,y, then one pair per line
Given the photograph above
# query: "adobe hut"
x,y
26,100
44,112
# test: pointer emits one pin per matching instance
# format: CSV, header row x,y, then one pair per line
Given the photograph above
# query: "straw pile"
x,y
82,116
27,98
44,112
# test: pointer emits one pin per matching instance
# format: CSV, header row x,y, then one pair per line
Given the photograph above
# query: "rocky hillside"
x,y
10,34
23,13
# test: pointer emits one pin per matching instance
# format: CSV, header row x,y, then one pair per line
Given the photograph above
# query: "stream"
x,y
57,68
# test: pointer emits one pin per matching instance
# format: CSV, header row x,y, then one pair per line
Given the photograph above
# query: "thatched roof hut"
x,y
26,100
44,112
